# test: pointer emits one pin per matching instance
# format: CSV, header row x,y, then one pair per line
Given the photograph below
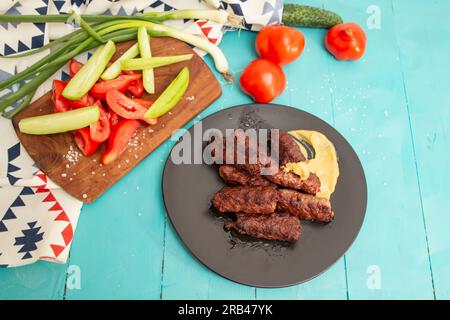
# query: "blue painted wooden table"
x,y
392,106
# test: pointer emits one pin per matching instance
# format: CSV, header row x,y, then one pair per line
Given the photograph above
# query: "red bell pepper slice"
x,y
60,103
101,130
84,142
74,67
85,101
118,141
121,84
136,88
125,107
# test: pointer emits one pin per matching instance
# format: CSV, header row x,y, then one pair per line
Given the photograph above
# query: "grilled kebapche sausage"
x,y
275,226
235,176
305,206
244,152
289,149
261,200
290,180
289,152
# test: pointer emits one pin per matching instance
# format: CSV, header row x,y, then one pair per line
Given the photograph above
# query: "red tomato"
x,y
136,88
125,107
85,101
121,84
346,41
101,130
118,140
84,142
74,67
114,117
280,44
263,80
143,102
60,103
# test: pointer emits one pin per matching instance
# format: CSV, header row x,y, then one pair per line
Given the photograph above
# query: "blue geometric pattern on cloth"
x,y
12,11
39,230
28,241
275,10
158,3
236,8
18,202
13,154
36,40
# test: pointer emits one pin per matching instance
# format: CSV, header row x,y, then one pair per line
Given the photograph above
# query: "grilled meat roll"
x,y
261,200
290,180
289,149
235,176
276,226
243,152
305,206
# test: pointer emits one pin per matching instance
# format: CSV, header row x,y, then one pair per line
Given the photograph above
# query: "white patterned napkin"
x,y
37,218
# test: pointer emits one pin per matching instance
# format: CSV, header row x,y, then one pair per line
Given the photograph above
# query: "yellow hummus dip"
x,y
324,164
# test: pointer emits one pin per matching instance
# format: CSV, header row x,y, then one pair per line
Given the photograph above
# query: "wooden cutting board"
x,y
85,178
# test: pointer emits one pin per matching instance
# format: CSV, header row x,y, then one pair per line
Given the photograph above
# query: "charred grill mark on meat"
x,y
292,181
243,153
305,206
276,226
266,200
235,176
289,152
261,200
289,149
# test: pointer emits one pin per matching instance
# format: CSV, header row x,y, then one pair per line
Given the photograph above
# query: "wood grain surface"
x,y
85,178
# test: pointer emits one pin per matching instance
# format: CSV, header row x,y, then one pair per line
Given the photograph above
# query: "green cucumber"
x,y
170,97
155,62
60,122
148,77
89,74
295,15
114,70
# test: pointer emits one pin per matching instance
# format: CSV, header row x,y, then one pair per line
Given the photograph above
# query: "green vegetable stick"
x,y
114,70
145,63
60,122
148,77
170,97
88,75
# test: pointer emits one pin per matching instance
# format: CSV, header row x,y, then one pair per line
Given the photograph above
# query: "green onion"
x,y
60,122
26,101
155,62
42,76
114,70
116,29
89,74
220,16
85,26
220,61
148,77
170,97
27,88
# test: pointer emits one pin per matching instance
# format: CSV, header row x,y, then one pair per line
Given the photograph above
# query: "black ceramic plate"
x,y
188,189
